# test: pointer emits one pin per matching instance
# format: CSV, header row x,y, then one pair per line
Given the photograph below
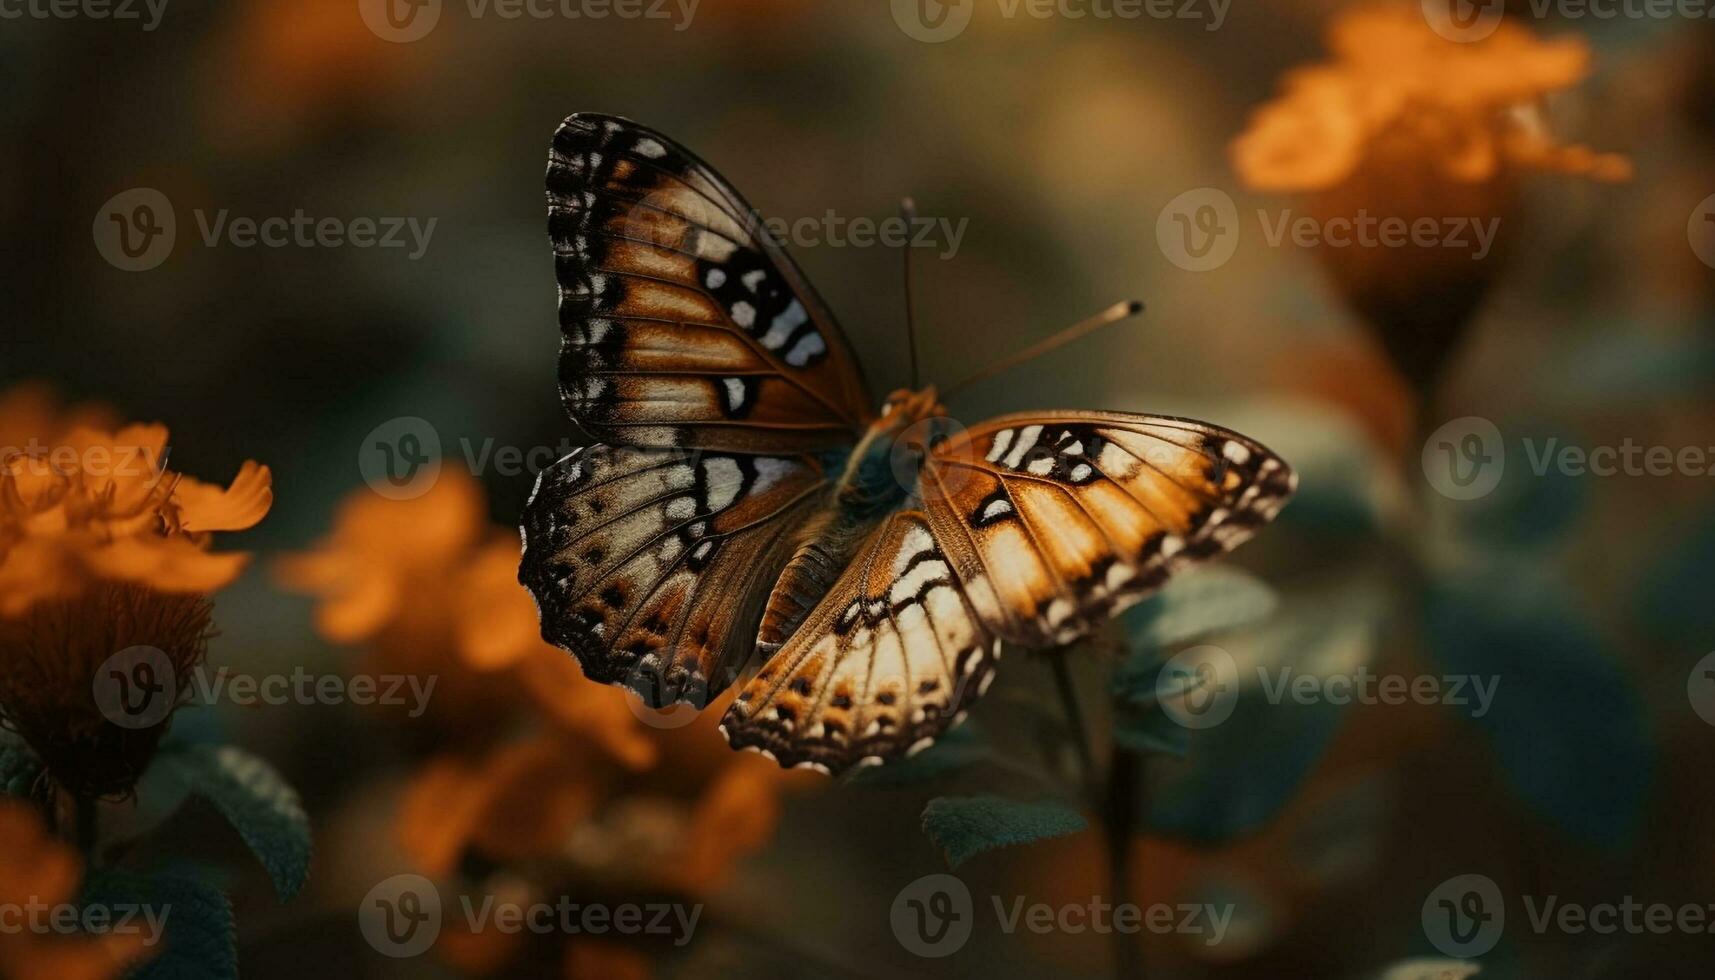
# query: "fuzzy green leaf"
x,y
965,826
200,940
257,801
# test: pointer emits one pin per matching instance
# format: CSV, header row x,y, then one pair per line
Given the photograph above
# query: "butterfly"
x,y
745,500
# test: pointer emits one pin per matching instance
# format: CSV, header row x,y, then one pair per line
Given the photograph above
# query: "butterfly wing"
x,y
683,323
891,656
1058,521
1032,529
651,566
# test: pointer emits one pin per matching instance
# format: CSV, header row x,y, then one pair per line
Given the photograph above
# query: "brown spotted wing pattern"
x,y
682,323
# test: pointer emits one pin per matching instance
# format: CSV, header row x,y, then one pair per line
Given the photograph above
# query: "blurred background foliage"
x,y
1061,141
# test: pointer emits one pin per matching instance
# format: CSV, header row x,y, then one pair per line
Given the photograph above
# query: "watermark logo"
x,y
1700,231
1465,916
933,21
135,230
401,916
1464,458
1199,687
400,21
1199,230
932,916
400,459
1465,21
1700,688
136,688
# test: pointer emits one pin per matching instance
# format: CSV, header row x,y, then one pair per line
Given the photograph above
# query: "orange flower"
x,y
80,504
1405,129
1465,106
102,549
35,868
433,588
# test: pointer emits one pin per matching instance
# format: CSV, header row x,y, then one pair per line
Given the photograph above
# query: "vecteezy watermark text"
x,y
1474,20
933,916
404,21
147,11
1200,230
1199,688
37,917
402,916
138,687
136,230
1464,459
1466,915
934,21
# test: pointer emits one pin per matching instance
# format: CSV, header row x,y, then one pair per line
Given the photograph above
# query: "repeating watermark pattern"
x,y
138,688
1474,20
1200,688
1700,688
934,916
1700,231
36,917
403,916
1464,459
935,21
1199,231
1466,916
148,12
136,230
404,21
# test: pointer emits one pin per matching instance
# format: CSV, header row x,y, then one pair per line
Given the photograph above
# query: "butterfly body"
x,y
746,501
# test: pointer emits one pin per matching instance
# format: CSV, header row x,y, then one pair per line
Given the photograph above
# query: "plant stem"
x,y
1074,716
1124,800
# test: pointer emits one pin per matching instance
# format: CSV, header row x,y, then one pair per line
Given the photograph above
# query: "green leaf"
x,y
1194,605
257,801
965,826
19,767
957,748
201,938
1568,726
1242,771
1151,730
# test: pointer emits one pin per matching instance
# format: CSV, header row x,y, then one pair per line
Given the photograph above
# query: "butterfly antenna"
x,y
1112,315
908,211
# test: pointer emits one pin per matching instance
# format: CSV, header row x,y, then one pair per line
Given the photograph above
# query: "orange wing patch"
x,y
1065,520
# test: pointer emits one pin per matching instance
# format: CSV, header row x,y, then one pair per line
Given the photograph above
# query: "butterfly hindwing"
x,y
889,658
1059,521
683,323
651,566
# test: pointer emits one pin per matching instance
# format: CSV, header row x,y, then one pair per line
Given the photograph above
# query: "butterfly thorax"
x,y
876,478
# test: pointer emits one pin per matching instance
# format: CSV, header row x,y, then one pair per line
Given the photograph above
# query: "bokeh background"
x,y
1061,141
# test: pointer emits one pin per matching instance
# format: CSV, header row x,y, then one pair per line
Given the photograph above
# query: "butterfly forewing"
x,y
683,324
1057,522
651,566
891,656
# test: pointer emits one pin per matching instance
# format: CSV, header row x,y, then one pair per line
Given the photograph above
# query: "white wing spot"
x,y
808,346
743,314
